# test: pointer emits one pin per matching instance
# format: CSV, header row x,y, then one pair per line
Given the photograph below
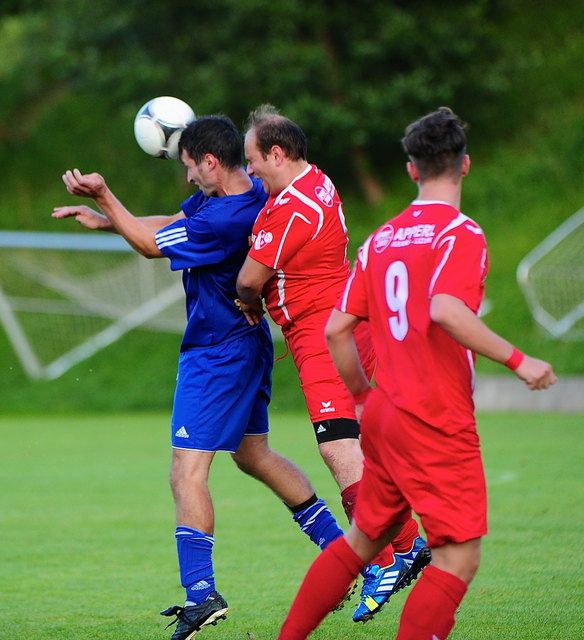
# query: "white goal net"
x,y
65,296
552,279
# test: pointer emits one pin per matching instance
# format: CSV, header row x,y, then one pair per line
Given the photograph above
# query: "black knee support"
x,y
335,429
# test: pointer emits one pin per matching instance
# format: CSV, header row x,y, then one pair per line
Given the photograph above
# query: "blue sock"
x,y
195,563
317,522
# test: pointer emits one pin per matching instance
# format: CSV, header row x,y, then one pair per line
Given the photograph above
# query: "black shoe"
x,y
191,619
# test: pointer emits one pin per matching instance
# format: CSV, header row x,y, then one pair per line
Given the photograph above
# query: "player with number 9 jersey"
x,y
430,248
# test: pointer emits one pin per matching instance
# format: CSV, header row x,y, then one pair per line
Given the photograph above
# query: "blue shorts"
x,y
222,393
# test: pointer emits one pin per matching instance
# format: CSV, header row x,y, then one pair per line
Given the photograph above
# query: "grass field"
x,y
87,551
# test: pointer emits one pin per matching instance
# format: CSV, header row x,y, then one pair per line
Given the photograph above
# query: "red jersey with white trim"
x,y
302,234
430,248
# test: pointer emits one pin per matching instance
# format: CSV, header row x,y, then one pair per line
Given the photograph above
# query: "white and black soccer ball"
x,y
159,124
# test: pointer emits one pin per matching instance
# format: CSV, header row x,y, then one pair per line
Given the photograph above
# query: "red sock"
x,y
385,557
349,498
325,583
428,613
404,541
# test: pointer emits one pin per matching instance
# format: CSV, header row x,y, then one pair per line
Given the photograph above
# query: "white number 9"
x,y
396,296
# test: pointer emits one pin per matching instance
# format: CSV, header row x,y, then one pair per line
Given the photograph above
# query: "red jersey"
x,y
302,234
429,248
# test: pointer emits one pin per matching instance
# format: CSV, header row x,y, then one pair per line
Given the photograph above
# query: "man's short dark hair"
x,y
216,135
436,143
271,129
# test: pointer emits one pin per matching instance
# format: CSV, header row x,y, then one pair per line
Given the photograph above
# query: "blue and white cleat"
x,y
416,559
378,585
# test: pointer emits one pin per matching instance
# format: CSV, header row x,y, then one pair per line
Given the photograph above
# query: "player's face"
x,y
198,174
257,165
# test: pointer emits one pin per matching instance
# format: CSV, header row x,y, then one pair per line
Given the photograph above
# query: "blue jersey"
x,y
209,246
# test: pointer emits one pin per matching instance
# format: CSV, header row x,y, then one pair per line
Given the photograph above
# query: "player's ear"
x,y
278,153
465,165
210,160
413,171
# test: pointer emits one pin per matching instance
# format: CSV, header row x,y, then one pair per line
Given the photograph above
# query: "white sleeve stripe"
x,y
285,234
282,294
363,253
451,240
472,369
459,220
171,242
171,232
476,230
346,291
362,257
310,203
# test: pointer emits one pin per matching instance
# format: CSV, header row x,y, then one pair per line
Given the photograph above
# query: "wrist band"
x,y
515,359
360,398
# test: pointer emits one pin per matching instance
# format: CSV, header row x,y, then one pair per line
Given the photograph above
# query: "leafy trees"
x,y
350,73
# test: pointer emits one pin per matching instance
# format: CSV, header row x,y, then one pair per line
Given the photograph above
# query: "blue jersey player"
x,y
224,372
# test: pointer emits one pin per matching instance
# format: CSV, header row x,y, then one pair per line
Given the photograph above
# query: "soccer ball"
x,y
159,124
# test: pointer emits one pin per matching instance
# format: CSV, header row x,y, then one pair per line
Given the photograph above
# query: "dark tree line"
x,y
352,73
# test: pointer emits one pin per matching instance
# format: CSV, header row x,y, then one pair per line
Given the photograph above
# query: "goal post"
x,y
65,296
551,277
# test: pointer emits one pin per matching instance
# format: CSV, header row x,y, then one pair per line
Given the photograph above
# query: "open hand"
x,y
84,215
88,185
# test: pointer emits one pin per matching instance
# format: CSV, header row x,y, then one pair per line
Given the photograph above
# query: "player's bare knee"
x,y
244,463
473,564
189,467
338,443
462,560
251,461
252,453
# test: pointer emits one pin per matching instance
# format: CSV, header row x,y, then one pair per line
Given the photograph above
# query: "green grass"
x,y
88,549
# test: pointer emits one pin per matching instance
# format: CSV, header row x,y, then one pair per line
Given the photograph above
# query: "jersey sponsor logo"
x,y
262,239
325,192
326,407
417,234
383,239
182,433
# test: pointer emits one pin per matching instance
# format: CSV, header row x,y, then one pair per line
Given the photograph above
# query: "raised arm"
x,y
137,231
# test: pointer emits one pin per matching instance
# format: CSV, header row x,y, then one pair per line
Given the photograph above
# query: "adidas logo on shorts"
x,y
321,428
182,433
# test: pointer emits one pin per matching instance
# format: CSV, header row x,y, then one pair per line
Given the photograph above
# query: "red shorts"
x,y
324,392
410,465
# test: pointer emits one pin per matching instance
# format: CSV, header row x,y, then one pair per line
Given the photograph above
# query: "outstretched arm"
x,y
466,328
138,232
